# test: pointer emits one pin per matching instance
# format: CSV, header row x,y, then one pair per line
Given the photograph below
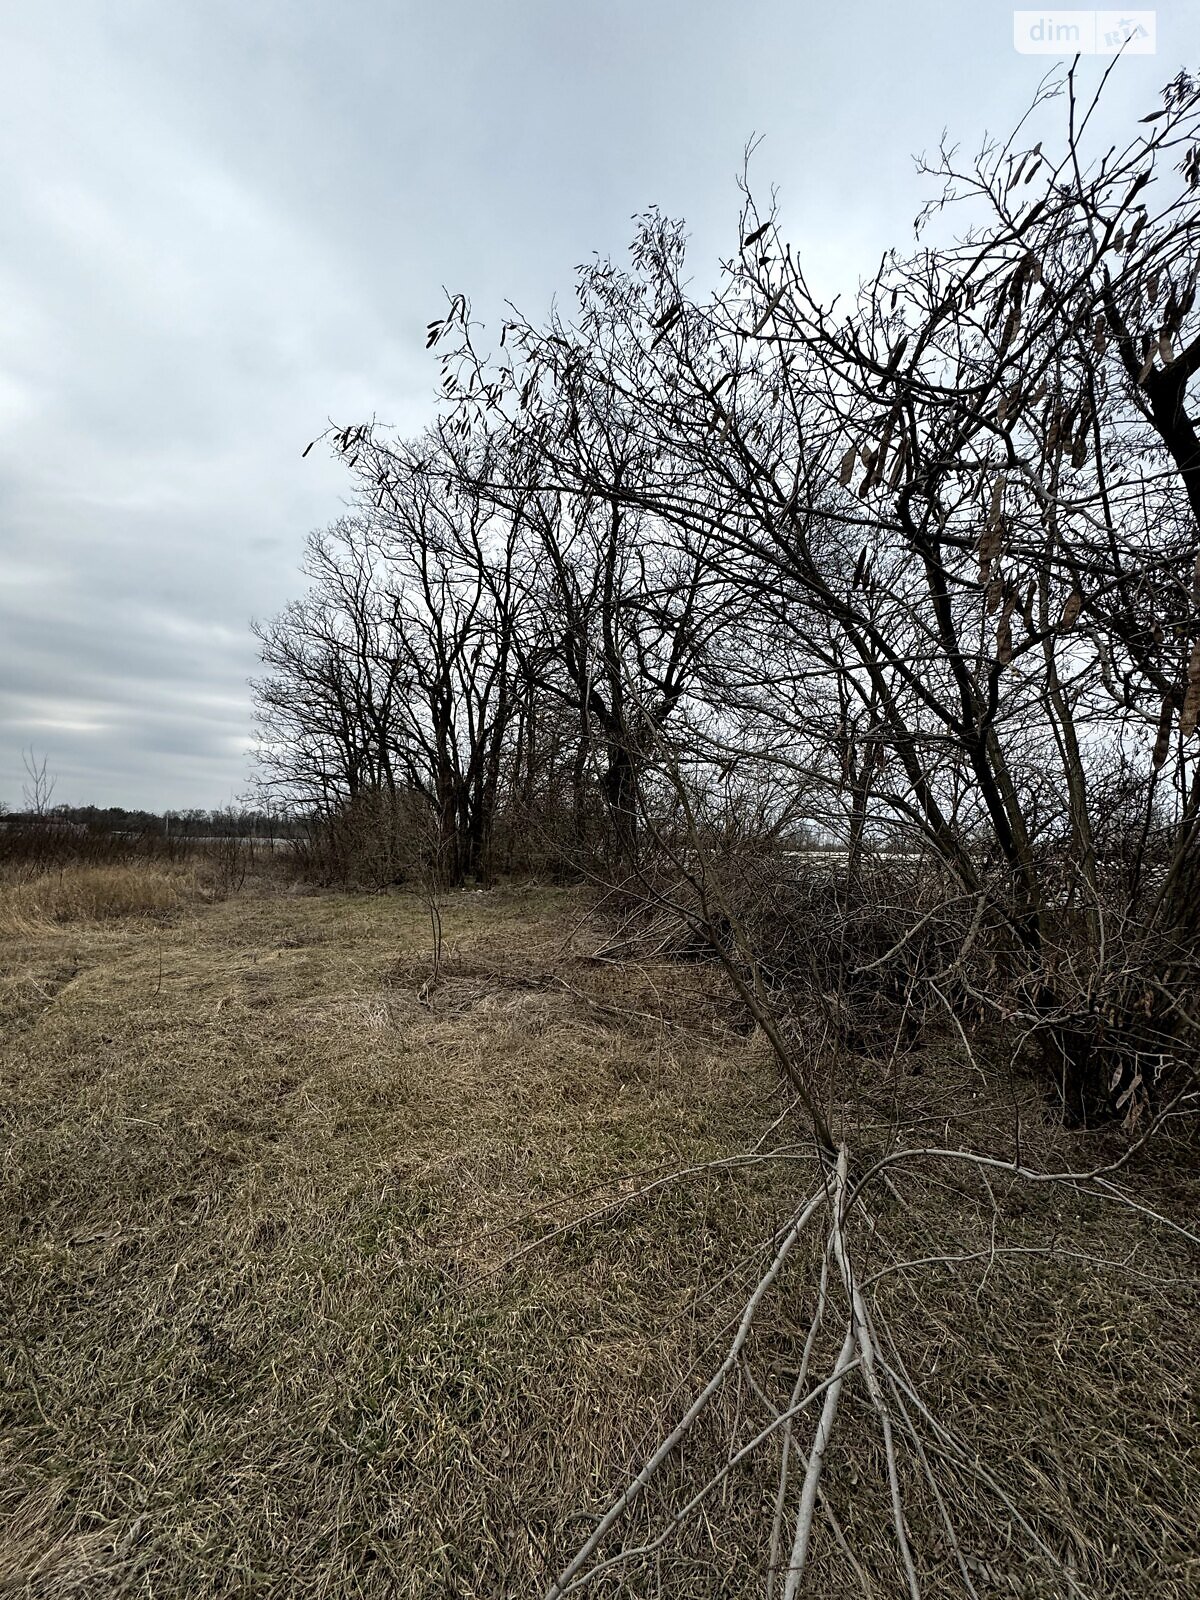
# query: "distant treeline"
x,y
193,823
53,837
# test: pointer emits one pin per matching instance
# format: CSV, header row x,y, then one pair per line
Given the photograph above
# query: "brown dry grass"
x,y
89,894
269,1332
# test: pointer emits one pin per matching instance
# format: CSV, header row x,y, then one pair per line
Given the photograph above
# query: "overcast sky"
x,y
223,222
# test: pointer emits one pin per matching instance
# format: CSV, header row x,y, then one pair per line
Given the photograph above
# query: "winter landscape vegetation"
x,y
678,1076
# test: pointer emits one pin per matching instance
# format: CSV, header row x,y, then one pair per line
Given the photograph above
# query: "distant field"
x,y
277,1321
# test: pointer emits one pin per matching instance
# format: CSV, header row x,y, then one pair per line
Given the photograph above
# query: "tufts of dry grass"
x,y
294,1302
89,894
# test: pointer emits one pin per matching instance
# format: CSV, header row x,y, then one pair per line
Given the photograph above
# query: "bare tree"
x,y
395,676
452,586
38,788
329,706
628,613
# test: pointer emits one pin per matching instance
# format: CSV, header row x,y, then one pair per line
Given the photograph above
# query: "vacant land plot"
x,y
298,1301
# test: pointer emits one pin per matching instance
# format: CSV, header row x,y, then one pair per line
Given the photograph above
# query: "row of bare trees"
x,y
481,652
915,572
394,684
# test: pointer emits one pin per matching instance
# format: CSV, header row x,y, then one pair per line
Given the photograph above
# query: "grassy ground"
x,y
276,1317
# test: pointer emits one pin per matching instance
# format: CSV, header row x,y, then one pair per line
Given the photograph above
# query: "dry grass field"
x,y
297,1300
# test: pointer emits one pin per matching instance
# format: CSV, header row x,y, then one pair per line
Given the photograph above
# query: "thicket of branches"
x,y
679,583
